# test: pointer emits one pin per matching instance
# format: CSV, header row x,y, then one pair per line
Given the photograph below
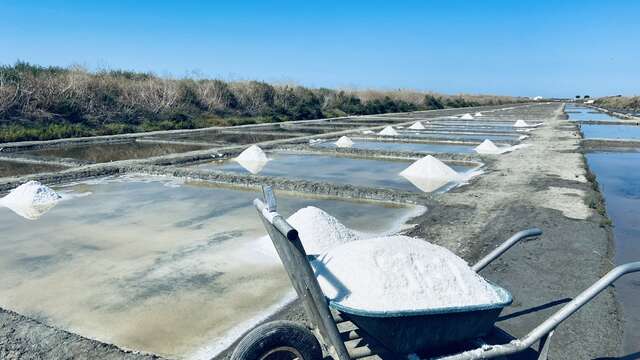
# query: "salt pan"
x,y
388,131
417,126
466,117
253,159
344,142
399,273
30,200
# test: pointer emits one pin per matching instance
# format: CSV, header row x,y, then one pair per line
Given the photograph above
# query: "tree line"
x,y
40,103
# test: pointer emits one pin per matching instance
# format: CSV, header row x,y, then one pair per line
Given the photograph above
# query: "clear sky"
x,y
517,47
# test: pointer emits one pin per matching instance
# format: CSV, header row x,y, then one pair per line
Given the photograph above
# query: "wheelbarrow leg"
x,y
543,349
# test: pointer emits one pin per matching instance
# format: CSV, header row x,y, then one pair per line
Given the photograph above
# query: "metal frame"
x,y
294,258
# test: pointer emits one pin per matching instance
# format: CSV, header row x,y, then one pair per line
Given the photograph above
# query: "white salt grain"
x,y
388,131
253,159
417,126
344,142
320,231
30,200
399,273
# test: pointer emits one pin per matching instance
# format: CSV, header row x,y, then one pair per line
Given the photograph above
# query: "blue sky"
x,y
529,48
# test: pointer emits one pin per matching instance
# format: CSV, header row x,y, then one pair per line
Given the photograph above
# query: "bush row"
x,y
51,102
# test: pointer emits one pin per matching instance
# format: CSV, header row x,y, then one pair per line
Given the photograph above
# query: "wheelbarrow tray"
x,y
414,331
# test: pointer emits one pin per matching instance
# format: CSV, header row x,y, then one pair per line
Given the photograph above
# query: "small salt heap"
x,y
523,124
367,132
400,273
388,131
320,231
253,159
488,147
429,174
344,142
466,117
477,114
30,200
417,126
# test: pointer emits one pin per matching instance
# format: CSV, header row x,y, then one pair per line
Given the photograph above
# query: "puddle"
x,y
621,189
377,173
153,264
217,138
579,113
13,168
629,132
405,146
106,152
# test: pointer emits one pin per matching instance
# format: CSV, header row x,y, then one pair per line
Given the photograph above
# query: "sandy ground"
x,y
544,185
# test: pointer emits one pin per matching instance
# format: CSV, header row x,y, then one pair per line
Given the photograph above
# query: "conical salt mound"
x,y
388,131
417,126
430,168
320,231
253,159
466,117
487,147
344,142
252,153
521,123
30,200
477,114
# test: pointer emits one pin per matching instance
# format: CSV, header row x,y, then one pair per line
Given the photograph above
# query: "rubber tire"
x,y
266,337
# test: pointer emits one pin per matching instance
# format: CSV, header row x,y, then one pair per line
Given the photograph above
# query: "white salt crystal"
x,y
417,126
253,159
344,142
388,131
320,231
30,200
399,273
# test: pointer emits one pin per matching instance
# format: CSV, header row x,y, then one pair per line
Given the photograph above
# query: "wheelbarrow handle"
x,y
505,246
547,326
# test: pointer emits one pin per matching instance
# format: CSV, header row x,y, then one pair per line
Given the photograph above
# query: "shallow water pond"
x,y
579,113
380,173
454,136
154,264
405,146
106,152
629,132
217,138
621,188
14,168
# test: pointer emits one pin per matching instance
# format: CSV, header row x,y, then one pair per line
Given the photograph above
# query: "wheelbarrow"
x,y
391,334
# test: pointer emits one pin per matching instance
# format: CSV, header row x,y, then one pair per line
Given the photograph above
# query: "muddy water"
x,y
154,265
100,153
405,146
620,184
333,169
611,131
12,168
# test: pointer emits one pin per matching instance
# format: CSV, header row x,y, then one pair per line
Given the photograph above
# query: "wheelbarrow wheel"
x,y
278,340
